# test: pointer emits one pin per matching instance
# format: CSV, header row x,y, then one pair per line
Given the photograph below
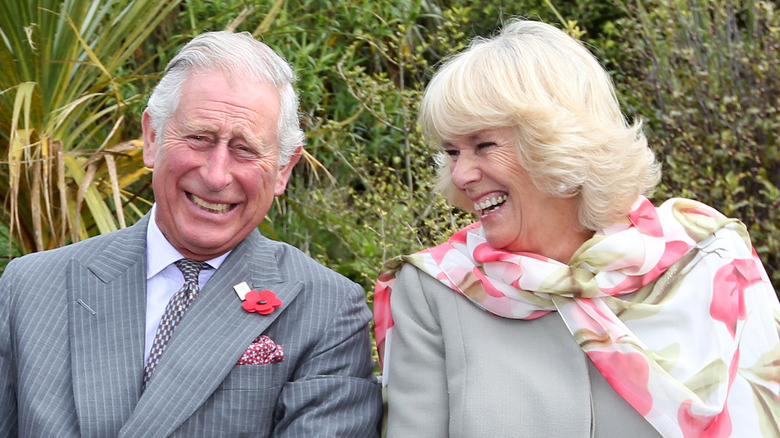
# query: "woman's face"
x,y
515,215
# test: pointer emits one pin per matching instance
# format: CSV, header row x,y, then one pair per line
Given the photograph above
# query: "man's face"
x,y
215,163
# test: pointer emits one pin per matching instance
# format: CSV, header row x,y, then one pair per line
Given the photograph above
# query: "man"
x,y
89,345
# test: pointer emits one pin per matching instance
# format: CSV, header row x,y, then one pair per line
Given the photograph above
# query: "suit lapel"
x,y
106,305
210,339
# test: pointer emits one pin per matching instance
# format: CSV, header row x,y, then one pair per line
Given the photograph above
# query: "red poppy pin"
x,y
263,302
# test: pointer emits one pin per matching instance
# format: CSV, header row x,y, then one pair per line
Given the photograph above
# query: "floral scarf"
x,y
674,308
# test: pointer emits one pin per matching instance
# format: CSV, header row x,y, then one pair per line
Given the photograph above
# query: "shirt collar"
x,y
160,253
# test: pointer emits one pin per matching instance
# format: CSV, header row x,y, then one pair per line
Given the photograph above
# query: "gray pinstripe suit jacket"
x,y
72,340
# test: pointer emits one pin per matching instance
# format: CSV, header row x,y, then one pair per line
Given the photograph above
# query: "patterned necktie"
x,y
173,312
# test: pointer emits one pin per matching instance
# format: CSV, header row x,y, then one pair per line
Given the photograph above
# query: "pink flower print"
x,y
645,219
628,374
695,426
705,211
487,284
534,256
591,307
484,253
728,291
438,252
462,235
673,251
383,319
444,277
536,314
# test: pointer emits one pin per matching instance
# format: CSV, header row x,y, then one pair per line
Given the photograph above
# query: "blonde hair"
x,y
571,136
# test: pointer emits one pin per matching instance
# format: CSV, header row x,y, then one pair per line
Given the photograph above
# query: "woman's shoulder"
x,y
415,289
416,284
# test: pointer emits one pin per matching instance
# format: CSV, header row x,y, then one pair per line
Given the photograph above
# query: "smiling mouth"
x,y
210,207
489,205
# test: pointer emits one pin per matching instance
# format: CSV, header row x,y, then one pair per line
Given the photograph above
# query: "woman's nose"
x,y
464,171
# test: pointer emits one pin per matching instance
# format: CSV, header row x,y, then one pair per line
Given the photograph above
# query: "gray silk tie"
x,y
173,312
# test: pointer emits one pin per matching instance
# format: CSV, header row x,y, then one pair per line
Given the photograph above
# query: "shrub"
x,y
704,76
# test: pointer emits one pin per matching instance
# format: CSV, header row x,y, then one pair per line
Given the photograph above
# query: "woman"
x,y
573,307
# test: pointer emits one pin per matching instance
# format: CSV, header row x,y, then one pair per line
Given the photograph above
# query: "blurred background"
x,y
75,76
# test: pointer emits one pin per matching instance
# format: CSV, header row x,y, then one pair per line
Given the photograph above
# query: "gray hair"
x,y
571,135
231,52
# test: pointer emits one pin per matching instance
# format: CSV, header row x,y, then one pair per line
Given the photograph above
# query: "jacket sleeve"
x,y
334,391
417,380
8,408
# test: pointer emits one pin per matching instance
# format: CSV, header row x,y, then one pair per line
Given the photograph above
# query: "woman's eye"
x,y
485,145
451,152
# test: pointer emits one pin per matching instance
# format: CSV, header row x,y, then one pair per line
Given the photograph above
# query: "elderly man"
x,y
190,323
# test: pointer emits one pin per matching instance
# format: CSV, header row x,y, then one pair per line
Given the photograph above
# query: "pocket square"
x,y
262,351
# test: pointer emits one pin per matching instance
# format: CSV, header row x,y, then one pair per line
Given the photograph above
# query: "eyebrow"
x,y
478,136
255,141
474,137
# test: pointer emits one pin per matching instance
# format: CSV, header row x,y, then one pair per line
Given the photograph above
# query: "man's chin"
x,y
207,246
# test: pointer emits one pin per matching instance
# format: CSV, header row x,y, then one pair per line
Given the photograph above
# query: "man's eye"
x,y
245,151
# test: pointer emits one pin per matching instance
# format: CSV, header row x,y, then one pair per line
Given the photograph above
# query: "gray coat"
x,y
72,324
458,371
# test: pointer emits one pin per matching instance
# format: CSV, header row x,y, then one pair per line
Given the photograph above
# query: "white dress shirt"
x,y
163,278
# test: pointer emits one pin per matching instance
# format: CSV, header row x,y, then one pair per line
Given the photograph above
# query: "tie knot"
x,y
190,269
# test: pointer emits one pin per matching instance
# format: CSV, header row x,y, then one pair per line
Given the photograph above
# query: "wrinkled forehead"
x,y
214,102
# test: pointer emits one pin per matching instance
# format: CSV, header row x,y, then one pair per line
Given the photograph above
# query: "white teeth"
x,y
489,203
216,208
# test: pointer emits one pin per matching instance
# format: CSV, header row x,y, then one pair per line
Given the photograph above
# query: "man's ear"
x,y
150,140
285,171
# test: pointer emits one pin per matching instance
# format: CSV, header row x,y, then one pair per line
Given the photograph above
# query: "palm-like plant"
x,y
65,88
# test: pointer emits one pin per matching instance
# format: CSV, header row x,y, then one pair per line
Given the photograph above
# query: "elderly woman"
x,y
573,307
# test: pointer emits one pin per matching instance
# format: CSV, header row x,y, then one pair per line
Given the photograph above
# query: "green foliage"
x,y
362,66
5,243
67,82
580,18
704,76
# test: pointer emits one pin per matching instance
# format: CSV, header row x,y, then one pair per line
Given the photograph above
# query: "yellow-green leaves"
x,y
69,79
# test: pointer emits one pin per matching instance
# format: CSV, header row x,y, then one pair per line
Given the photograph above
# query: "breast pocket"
x,y
254,377
243,405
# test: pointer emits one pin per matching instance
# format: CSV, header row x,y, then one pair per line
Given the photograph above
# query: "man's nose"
x,y
217,169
